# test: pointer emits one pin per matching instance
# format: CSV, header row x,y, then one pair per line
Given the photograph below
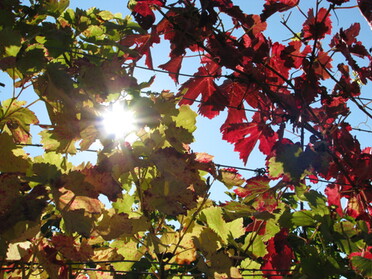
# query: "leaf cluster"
x,y
159,221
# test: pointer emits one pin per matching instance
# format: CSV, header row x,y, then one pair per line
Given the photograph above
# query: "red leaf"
x,y
258,226
338,2
367,150
142,43
273,6
322,64
236,92
222,3
313,179
213,99
350,34
365,7
334,196
366,253
346,43
255,186
292,55
173,67
279,257
143,13
316,27
177,26
246,135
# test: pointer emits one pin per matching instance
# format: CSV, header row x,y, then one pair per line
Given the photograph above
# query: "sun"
x,y
119,121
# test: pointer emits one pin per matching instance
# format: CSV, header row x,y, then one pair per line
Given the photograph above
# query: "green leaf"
x,y
94,31
106,15
10,41
52,161
255,244
77,221
112,225
125,205
275,168
213,217
290,160
169,196
250,266
317,202
362,265
207,241
186,118
13,159
32,60
17,119
55,142
303,218
231,178
178,137
57,41
55,7
128,248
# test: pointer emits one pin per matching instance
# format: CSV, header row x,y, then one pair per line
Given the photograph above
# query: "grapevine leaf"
x,y
280,255
55,8
70,249
254,243
17,119
213,99
171,197
142,43
362,262
142,12
245,136
113,225
173,67
334,197
338,2
9,191
208,241
77,221
225,230
365,8
56,142
129,249
68,200
14,159
317,26
102,182
273,6
186,118
255,187
231,177
303,218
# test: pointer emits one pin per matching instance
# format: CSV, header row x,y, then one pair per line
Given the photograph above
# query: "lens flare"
x,y
119,121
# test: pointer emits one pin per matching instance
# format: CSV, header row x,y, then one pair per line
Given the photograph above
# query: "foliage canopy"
x,y
159,221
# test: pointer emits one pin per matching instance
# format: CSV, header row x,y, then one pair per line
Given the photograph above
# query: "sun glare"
x,y
119,121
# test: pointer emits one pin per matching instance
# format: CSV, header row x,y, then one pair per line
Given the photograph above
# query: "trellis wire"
x,y
253,270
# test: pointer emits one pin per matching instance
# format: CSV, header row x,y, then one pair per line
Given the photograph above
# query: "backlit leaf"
x,y
225,230
303,218
365,7
17,119
13,159
231,178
